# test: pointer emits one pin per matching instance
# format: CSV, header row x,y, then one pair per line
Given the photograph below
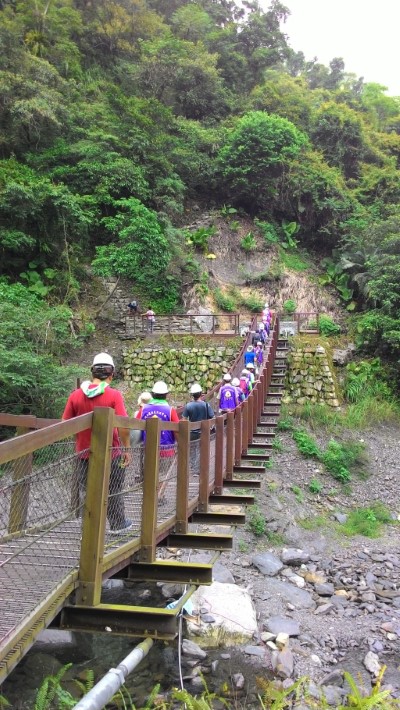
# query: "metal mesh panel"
x,y
40,528
125,497
167,479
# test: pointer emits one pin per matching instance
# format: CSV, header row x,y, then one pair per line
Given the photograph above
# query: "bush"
x,y
253,302
315,486
366,378
366,521
289,306
327,326
223,301
337,460
306,444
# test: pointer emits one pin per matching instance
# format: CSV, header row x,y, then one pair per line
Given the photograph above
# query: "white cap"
x,y
196,388
245,372
266,305
227,377
250,349
235,382
103,359
250,366
261,326
160,387
259,342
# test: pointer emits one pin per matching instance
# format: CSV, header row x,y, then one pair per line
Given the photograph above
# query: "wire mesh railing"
x,y
63,512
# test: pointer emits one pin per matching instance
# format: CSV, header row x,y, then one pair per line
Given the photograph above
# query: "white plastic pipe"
x,y
106,688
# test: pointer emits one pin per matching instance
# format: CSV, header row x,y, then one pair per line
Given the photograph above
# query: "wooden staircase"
x,y
259,449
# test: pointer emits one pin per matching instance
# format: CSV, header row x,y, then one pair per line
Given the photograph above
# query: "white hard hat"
x,y
266,305
103,359
160,387
235,382
196,388
261,326
227,377
259,342
250,366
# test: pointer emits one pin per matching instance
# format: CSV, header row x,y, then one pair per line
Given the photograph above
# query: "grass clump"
x,y
252,302
315,486
306,444
366,521
257,523
289,307
224,302
293,261
298,493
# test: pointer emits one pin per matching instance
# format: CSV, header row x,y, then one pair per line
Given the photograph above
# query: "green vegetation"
x,y
315,486
298,493
366,521
224,301
256,521
327,326
289,307
248,243
306,444
119,120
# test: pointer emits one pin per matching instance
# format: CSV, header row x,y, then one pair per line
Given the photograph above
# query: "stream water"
x,y
100,652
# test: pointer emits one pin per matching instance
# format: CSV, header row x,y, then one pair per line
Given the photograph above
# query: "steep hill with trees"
x,y
116,116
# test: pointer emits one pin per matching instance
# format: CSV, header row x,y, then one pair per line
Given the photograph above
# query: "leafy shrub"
x,y
201,236
306,444
294,261
289,306
256,521
223,301
234,225
248,243
268,231
327,326
366,521
366,378
337,460
285,423
253,302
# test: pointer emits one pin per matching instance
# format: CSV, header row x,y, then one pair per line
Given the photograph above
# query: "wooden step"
x,y
267,413
268,424
266,434
242,468
255,457
275,394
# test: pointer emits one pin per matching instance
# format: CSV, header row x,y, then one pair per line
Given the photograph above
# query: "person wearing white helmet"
x,y
159,407
98,393
251,368
236,383
196,411
245,382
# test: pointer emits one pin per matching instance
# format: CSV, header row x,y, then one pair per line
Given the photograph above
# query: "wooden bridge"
x,y
56,550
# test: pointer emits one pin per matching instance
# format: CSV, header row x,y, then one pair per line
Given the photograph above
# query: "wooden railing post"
x,y
219,454
150,490
182,481
238,435
20,492
230,444
250,412
95,508
245,426
204,465
255,409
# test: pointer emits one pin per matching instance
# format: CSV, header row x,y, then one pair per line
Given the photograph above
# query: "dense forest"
x,y
118,114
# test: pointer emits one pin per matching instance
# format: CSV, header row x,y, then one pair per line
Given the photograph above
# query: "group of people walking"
x,y
97,392
149,314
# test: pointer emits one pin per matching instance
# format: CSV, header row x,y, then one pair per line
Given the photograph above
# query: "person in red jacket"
x,y
98,393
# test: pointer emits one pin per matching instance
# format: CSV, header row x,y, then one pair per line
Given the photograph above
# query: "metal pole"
x,y
106,688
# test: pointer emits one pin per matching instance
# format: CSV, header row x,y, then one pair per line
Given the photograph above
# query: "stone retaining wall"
x,y
179,367
309,377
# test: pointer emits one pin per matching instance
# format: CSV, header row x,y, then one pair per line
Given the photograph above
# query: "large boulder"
x,y
233,613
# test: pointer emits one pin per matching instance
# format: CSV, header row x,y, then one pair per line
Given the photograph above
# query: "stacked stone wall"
x,y
309,377
179,367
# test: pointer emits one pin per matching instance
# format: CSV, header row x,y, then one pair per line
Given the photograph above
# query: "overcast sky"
x,y
364,32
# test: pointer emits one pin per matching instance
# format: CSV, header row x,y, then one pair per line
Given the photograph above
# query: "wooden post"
x,y
204,465
245,425
238,434
22,468
95,509
219,454
230,444
169,324
150,490
182,482
213,328
255,409
250,412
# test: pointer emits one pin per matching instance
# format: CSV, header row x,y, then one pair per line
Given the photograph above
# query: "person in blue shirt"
x,y
249,356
